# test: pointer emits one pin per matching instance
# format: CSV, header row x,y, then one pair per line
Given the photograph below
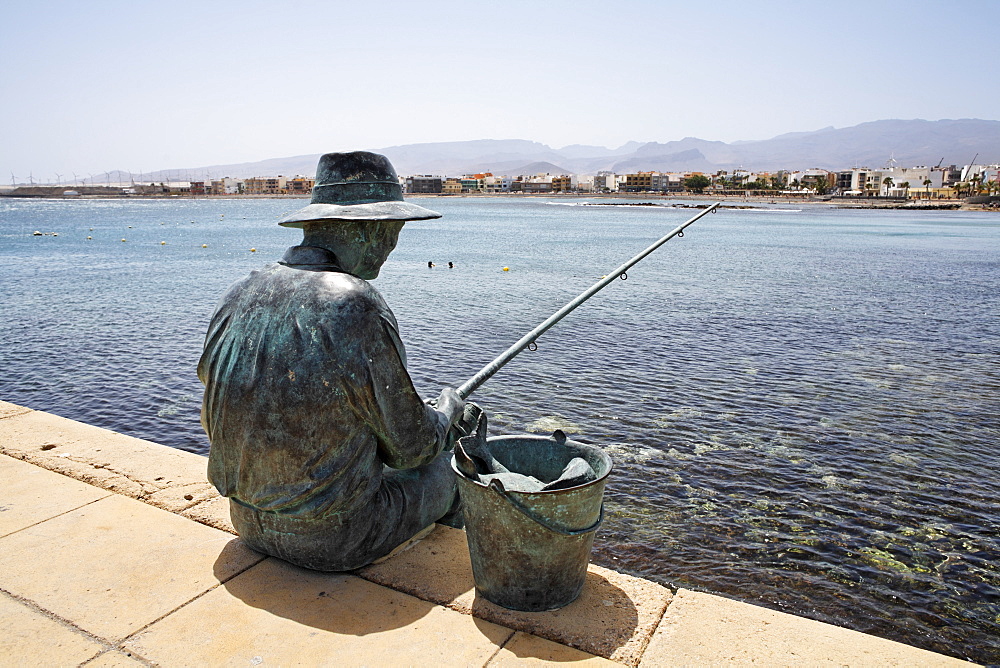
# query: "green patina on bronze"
x,y
530,550
329,457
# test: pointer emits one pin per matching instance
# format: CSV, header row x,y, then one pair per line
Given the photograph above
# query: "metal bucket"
x,y
530,550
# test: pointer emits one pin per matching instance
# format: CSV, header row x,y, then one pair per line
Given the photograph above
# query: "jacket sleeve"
x,y
410,433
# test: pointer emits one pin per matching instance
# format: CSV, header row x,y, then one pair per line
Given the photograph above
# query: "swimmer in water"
x,y
451,265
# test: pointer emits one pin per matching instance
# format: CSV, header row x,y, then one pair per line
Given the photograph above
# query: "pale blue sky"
x,y
140,86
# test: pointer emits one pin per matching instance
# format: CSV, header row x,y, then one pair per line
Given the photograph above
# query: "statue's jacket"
x,y
307,396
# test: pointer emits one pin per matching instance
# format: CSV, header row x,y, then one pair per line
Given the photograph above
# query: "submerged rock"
x,y
550,423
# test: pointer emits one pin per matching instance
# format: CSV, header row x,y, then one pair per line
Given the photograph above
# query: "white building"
x,y
607,181
496,184
808,178
227,186
583,183
915,176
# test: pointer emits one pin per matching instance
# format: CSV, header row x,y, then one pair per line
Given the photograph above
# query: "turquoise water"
x,y
802,405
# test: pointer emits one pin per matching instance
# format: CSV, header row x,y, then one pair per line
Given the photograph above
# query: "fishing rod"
x,y
471,385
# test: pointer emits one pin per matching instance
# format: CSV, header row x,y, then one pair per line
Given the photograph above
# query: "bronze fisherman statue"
x,y
329,457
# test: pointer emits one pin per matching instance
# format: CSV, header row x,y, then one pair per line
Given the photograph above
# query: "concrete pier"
x,y
117,552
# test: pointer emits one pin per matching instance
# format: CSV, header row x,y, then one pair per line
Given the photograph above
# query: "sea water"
x,y
802,403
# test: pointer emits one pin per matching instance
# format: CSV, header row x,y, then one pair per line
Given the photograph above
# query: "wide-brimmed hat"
x,y
356,186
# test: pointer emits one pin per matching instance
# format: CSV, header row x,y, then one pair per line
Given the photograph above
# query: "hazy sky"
x,y
88,87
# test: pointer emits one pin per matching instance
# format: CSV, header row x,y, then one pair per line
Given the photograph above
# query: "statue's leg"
x,y
419,497
408,501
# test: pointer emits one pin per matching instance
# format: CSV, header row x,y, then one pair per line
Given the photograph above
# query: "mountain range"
x,y
909,142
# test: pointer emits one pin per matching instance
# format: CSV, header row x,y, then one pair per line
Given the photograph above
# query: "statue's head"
x,y
360,246
357,211
359,187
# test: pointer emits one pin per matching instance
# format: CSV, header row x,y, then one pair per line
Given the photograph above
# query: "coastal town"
x,y
949,182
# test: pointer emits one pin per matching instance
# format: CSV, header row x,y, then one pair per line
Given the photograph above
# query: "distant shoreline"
x,y
833,202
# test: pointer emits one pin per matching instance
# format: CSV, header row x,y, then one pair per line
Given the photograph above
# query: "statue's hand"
x,y
472,419
449,404
469,421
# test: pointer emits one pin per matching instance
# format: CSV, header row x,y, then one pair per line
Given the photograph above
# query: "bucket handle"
x,y
498,487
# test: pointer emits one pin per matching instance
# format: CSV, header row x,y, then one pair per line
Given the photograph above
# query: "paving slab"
x,y
213,511
28,637
165,477
276,614
31,495
528,650
115,659
116,565
614,617
702,629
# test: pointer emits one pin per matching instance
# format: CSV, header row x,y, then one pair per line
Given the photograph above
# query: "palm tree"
x,y
887,182
905,185
927,187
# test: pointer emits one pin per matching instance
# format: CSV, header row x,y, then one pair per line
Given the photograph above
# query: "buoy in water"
x,y
123,241
90,237
204,245
163,243
36,233
55,234
506,268
253,250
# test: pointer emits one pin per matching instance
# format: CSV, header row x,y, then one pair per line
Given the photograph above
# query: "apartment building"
x,y
497,184
300,185
582,183
226,186
540,183
562,184
425,183
605,182
812,179
872,182
639,182
648,182
265,185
